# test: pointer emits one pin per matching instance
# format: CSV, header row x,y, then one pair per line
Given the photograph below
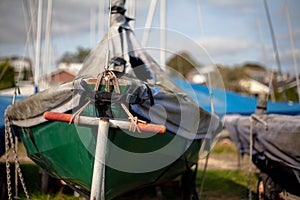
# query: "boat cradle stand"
x,y
98,179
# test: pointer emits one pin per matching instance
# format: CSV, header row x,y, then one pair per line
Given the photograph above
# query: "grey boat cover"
x,y
275,136
135,67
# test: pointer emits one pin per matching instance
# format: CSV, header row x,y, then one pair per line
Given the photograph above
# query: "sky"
x,y
232,32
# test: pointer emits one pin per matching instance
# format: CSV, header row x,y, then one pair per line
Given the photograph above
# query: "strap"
x,y
118,61
101,97
116,98
118,10
149,92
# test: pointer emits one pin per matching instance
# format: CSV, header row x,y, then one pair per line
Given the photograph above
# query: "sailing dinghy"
x,y
120,125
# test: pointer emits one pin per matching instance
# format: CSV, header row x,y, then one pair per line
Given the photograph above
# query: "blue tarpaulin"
x,y
226,102
5,101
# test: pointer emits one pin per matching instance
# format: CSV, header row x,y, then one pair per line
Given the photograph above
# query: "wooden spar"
x,y
98,179
94,121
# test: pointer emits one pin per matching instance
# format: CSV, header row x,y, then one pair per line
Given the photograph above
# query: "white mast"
x,y
293,49
47,51
149,22
38,45
163,33
131,12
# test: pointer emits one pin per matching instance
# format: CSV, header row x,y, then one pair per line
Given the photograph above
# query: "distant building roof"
x,y
72,68
60,76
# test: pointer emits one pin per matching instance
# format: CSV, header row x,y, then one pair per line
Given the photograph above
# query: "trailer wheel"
x,y
267,188
261,189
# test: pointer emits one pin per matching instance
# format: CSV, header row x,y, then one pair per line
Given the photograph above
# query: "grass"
x,y
225,184
219,184
224,147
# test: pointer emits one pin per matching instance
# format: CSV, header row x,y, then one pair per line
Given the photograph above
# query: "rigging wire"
x,y
274,46
293,49
210,89
32,14
28,25
270,85
199,14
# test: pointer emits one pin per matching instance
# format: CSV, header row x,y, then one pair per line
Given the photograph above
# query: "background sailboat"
x,y
272,141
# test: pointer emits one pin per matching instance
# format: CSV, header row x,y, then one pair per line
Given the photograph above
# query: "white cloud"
x,y
12,29
287,56
225,46
296,34
236,5
70,17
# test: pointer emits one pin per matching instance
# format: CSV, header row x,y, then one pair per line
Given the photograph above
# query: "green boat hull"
x,y
61,149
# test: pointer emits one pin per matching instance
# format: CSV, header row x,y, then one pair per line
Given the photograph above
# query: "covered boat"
x,y
273,142
119,81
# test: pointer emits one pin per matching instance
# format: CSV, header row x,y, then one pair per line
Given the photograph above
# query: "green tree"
x,y
7,75
25,74
77,57
182,63
291,94
231,77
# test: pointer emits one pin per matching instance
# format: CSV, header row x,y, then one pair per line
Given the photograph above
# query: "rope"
x,y
110,78
75,116
134,120
9,139
257,118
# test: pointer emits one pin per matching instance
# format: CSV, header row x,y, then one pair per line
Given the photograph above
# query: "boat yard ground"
x,y
227,177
